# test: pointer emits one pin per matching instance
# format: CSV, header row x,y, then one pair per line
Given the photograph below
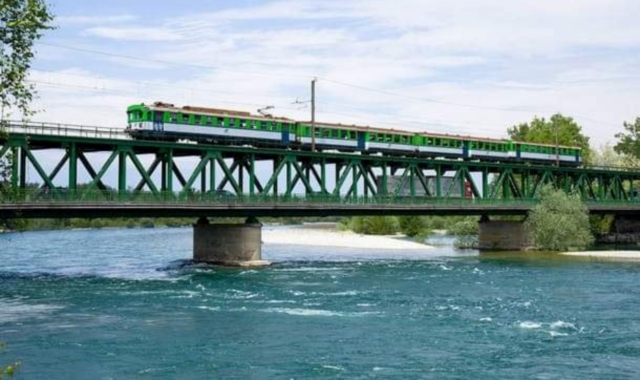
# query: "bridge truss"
x,y
116,168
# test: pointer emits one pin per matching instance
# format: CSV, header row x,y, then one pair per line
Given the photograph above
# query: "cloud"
x,y
95,20
487,64
134,34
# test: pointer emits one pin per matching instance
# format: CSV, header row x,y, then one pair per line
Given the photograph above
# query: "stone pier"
x,y
503,236
228,244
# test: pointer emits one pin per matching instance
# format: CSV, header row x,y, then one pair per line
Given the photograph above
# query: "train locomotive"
x,y
221,126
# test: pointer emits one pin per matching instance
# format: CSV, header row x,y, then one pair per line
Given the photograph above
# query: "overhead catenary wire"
x,y
320,78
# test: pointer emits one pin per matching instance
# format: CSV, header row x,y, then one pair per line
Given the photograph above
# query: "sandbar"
x,y
608,255
344,239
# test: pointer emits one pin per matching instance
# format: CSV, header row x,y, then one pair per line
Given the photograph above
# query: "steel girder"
x,y
281,172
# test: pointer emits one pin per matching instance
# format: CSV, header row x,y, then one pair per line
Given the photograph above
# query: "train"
x,y
222,126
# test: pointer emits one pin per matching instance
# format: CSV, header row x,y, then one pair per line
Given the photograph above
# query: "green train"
x,y
165,121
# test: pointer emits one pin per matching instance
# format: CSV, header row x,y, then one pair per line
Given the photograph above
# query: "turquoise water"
x,y
125,304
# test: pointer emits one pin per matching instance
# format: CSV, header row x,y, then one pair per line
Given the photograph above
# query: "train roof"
x,y
160,106
428,134
226,113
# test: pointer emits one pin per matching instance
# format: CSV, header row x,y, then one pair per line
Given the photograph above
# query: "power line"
x,y
171,63
160,85
306,77
124,92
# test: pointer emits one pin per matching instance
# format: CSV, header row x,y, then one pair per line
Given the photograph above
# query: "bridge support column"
x,y
228,244
625,231
503,235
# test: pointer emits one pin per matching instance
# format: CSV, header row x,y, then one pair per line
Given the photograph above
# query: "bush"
x,y
559,222
601,224
374,225
466,232
412,225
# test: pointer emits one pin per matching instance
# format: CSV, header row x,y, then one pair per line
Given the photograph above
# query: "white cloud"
x,y
510,61
134,34
95,20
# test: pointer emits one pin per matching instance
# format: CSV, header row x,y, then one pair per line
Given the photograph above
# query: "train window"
x,y
243,124
437,142
197,119
185,118
208,120
173,118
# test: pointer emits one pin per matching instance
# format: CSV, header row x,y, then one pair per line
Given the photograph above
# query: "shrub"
x,y
374,225
412,225
559,222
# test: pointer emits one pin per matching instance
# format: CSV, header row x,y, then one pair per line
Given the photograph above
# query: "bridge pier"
x,y
503,235
625,231
228,244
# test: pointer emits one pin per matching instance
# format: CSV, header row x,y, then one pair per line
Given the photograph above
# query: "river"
x,y
126,304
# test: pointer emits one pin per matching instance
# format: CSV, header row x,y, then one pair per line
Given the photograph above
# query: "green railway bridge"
x,y
65,171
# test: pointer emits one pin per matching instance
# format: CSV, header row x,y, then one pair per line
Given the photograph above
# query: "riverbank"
x,y
607,255
325,235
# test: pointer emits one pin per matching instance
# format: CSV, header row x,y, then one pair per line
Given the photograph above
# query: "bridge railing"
x,y
55,129
79,197
98,197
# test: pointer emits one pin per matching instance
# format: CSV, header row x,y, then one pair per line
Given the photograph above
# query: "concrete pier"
x,y
503,236
228,244
625,231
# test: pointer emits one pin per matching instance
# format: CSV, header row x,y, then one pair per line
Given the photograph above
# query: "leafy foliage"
x,y
466,232
10,369
22,22
374,225
559,222
412,225
629,142
540,130
610,156
601,224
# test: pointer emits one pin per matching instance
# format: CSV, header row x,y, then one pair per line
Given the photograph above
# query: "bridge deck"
x,y
272,181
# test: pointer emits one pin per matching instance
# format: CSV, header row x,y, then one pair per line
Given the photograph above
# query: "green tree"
x,y
543,131
559,222
374,225
412,225
610,156
629,141
22,22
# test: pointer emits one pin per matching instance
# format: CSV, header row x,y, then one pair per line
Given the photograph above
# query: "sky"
x,y
460,66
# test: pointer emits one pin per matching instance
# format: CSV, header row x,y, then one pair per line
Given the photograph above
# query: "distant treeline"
x,y
97,223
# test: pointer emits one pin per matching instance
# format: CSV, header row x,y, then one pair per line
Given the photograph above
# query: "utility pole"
x,y
313,114
557,147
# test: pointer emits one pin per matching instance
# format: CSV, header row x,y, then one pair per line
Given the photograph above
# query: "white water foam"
x,y
316,312
13,310
333,367
563,325
529,325
209,308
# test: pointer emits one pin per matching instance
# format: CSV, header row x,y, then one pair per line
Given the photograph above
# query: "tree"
x,y
412,225
543,131
22,22
629,142
373,225
559,222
